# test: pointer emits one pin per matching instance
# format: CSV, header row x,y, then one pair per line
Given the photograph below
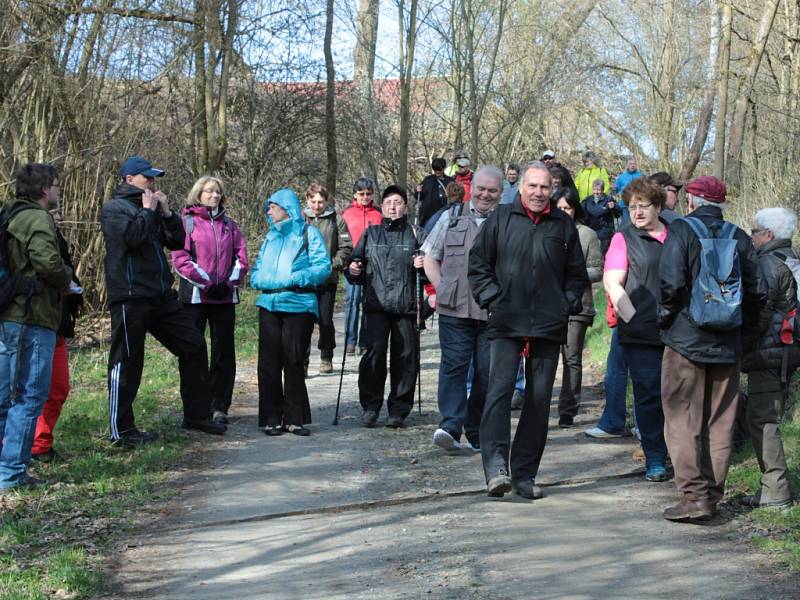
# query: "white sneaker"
x,y
601,434
443,439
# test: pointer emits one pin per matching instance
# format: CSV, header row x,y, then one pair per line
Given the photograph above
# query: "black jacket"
x,y
389,278
432,197
136,266
600,217
679,266
767,351
530,277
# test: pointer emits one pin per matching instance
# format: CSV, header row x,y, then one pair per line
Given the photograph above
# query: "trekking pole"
x,y
348,314
417,301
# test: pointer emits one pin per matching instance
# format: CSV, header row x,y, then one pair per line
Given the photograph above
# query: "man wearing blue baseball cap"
x,y
137,223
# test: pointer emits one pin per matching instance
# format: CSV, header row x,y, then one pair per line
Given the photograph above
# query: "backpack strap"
x,y
728,230
456,210
698,227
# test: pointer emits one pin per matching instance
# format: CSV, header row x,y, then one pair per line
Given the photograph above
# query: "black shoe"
x,y
394,422
473,441
207,426
273,430
369,418
527,488
220,416
499,485
45,457
134,438
565,422
297,430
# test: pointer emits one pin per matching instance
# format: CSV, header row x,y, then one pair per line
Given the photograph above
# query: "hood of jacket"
x,y
198,211
289,202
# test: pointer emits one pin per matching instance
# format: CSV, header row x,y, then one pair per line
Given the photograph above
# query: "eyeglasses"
x,y
642,207
671,189
212,191
755,231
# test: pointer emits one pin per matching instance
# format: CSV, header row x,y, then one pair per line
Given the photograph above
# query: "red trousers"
x,y
59,390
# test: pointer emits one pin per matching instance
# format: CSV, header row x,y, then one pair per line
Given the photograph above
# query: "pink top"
x,y
617,254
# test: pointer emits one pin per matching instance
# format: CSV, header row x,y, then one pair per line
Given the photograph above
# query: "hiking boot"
x,y
47,456
754,501
369,418
689,510
517,400
473,441
565,422
499,485
206,426
656,473
325,367
297,430
446,440
220,416
134,438
601,434
395,422
527,488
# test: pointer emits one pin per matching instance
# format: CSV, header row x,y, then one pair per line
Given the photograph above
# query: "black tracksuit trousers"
x,y
380,327
531,435
221,320
167,321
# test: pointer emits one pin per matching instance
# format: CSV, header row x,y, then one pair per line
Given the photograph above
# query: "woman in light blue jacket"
x,y
293,260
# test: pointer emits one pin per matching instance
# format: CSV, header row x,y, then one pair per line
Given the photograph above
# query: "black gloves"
x,y
218,291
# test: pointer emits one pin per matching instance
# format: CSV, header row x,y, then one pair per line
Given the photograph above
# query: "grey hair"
x,y
698,202
535,164
491,171
598,183
780,221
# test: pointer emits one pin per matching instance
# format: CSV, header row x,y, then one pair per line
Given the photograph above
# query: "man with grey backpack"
x,y
712,292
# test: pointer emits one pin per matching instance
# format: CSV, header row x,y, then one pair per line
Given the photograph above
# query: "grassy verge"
x,y
776,532
53,541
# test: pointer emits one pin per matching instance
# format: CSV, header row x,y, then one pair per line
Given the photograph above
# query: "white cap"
x,y
548,154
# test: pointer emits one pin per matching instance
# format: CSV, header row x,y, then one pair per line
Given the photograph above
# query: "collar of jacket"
x,y
394,224
357,205
130,193
643,233
310,216
707,211
516,207
199,211
775,245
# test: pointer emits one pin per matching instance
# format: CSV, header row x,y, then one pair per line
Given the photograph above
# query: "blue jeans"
x,y
352,309
616,386
26,357
463,342
645,367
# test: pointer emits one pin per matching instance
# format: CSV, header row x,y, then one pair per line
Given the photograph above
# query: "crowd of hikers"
x,y
508,261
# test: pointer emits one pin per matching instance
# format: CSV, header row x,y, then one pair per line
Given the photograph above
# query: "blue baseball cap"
x,y
136,165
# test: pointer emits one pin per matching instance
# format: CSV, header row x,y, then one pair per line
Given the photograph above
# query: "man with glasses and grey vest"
x,y
462,323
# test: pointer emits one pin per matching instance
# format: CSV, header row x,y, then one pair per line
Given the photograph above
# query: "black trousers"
x,y
326,297
380,327
221,320
531,435
283,341
171,325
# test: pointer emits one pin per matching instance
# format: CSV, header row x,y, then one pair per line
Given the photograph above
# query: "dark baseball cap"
x,y
136,165
395,189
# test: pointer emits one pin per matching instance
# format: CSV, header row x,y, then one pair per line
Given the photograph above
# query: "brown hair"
x,y
455,191
649,190
317,188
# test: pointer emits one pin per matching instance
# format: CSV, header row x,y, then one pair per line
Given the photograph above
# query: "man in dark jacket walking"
x,y
700,368
384,262
432,191
527,268
772,359
137,223
321,214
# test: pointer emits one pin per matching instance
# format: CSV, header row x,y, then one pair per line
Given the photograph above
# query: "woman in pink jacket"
x,y
211,265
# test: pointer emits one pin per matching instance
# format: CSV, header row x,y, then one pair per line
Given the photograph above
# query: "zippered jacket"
x,y
358,217
136,266
214,252
292,262
337,240
33,252
530,276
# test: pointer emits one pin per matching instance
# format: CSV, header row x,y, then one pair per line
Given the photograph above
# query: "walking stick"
x,y
344,358
417,302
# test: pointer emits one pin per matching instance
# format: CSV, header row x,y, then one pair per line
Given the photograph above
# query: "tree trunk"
x,y
330,106
707,108
720,126
408,40
363,74
200,126
734,159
